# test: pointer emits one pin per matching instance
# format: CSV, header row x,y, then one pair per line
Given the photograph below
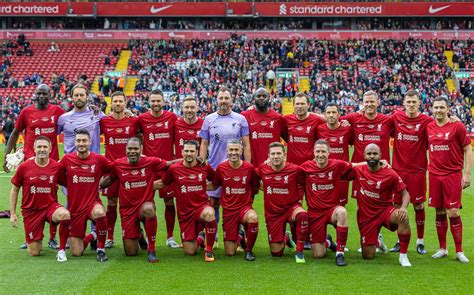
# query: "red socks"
x,y
101,229
52,231
442,230
211,229
170,213
251,233
64,233
420,223
151,225
301,230
90,237
456,231
404,240
341,238
111,219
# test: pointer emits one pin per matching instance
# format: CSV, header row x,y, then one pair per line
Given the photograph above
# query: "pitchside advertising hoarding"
x,y
218,35
274,9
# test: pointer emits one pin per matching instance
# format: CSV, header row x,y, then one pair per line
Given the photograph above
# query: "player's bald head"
x,y
43,88
261,91
372,147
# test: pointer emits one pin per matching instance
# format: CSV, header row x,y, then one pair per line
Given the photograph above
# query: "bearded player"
x,y
194,209
157,127
188,126
239,184
117,129
83,173
136,174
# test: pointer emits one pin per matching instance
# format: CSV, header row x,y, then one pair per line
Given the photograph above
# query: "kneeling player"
x,y
39,177
323,178
135,174
83,172
375,204
239,183
192,202
282,183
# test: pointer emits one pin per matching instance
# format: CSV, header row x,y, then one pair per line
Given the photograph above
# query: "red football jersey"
x,y
183,132
410,142
446,146
158,134
33,123
280,188
40,184
136,182
301,137
264,129
339,140
367,131
376,190
117,133
191,187
238,185
82,180
321,185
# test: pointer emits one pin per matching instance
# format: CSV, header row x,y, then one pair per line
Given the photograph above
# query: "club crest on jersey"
x,y
308,129
244,180
93,168
379,127
446,135
341,139
417,127
142,171
166,125
330,175
379,184
285,179
200,177
51,179
272,123
127,130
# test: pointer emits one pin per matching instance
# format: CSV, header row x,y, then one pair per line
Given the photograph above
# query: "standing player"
x,y
83,172
218,128
136,174
117,129
449,147
265,126
302,127
39,177
409,159
323,177
378,184
239,184
37,120
281,182
194,210
80,117
157,127
339,138
188,126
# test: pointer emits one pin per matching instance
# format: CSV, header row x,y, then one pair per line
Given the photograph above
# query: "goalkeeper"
x,y
38,119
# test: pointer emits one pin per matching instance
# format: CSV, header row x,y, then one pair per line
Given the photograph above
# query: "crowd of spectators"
x,y
339,71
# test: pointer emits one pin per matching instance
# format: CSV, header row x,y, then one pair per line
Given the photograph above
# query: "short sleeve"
x,y
168,177
217,180
20,122
204,132
17,179
159,165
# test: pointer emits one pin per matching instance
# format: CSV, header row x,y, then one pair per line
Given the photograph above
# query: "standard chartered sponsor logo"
x,y
439,148
281,191
407,137
40,190
153,136
322,187
82,179
369,194
369,137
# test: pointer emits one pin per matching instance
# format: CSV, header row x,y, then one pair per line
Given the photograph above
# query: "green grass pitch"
x,y
176,273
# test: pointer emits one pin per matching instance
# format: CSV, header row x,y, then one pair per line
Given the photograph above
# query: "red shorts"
x,y
112,191
34,220
318,221
79,221
445,190
231,221
191,227
131,224
343,188
416,186
276,225
369,230
168,192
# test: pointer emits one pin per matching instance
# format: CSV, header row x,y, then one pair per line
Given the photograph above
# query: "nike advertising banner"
x,y
365,9
160,9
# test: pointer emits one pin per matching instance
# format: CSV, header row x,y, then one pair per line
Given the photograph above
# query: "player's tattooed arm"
x,y
466,178
203,149
13,201
169,163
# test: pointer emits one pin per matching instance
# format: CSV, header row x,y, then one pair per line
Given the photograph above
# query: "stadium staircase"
x,y
450,82
72,60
